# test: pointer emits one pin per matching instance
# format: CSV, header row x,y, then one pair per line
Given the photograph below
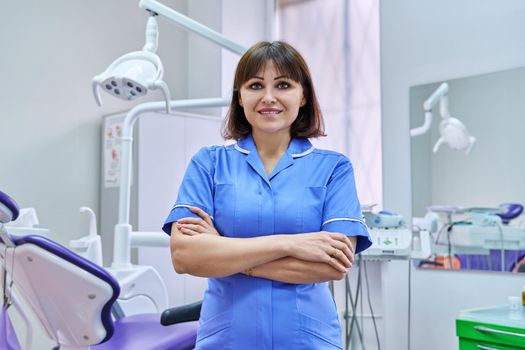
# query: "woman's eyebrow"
x,y
277,78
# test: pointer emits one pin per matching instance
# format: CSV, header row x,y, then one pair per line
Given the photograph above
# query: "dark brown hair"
x,y
289,62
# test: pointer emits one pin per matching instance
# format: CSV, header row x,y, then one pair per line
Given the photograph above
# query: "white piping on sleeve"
x,y
187,206
345,219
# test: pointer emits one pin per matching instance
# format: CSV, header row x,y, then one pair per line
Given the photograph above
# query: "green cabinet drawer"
x,y
500,337
471,344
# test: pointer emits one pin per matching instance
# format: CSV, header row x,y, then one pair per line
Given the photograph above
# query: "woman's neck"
x,y
271,145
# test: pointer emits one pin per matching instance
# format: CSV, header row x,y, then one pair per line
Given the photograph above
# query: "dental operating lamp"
x,y
134,74
453,132
143,69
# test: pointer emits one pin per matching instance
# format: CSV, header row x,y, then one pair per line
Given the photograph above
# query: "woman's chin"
x,y
271,129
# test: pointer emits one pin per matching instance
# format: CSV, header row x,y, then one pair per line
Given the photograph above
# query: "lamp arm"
x,y
165,91
435,97
152,34
438,95
443,107
192,25
472,140
423,128
438,144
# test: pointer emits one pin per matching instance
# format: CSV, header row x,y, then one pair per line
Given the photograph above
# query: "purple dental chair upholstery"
x,y
73,298
512,211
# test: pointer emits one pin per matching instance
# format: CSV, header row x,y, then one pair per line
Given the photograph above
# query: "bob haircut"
x,y
288,62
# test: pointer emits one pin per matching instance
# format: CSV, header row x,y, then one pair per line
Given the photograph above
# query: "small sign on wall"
x,y
112,149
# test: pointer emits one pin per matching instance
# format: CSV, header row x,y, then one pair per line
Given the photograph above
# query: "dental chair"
x,y
74,300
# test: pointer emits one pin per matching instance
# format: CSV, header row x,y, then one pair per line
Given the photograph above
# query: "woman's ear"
x,y
303,101
240,101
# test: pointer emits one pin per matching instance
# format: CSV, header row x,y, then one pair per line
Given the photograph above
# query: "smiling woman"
x,y
269,218
271,101
275,68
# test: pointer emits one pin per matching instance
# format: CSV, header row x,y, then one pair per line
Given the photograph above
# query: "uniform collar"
x,y
296,149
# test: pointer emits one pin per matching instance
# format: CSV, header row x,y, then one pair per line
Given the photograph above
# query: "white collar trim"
x,y
310,150
297,155
242,150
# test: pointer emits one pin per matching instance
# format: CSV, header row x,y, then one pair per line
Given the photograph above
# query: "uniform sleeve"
x,y
342,211
196,189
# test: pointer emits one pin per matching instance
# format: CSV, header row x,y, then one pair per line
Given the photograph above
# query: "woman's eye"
x,y
255,86
283,85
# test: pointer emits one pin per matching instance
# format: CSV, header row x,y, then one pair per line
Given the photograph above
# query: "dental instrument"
x,y
90,246
453,132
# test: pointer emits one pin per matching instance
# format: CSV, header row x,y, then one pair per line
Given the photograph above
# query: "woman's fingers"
x,y
194,221
202,214
344,249
196,228
187,231
336,264
342,238
202,224
343,243
343,259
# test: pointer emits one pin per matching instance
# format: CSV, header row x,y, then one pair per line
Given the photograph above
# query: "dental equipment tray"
x,y
391,243
473,236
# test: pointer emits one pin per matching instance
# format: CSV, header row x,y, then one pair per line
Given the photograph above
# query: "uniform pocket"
x,y
211,331
312,205
318,311
318,335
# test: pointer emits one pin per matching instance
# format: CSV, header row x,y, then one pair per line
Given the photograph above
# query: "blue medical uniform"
x,y
309,190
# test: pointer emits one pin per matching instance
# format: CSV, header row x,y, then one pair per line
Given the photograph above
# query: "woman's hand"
x,y
195,226
332,248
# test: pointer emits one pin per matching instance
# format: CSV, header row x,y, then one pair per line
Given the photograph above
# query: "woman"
x,y
268,218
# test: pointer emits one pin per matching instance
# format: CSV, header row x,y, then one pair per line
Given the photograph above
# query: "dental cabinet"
x,y
493,328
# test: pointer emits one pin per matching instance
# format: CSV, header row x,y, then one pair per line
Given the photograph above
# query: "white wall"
x,y
254,18
425,41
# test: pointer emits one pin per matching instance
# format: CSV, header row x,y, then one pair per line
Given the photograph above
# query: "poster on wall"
x,y
112,149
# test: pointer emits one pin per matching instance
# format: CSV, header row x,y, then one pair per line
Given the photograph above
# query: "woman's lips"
x,y
269,111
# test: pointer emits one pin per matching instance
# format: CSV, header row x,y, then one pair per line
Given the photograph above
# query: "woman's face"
x,y
271,101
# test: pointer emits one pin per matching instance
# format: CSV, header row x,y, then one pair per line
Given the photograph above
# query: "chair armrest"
x,y
179,314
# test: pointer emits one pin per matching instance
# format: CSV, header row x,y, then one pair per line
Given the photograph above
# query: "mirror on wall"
x,y
472,203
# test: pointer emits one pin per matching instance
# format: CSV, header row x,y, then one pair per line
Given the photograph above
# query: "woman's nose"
x,y
268,97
